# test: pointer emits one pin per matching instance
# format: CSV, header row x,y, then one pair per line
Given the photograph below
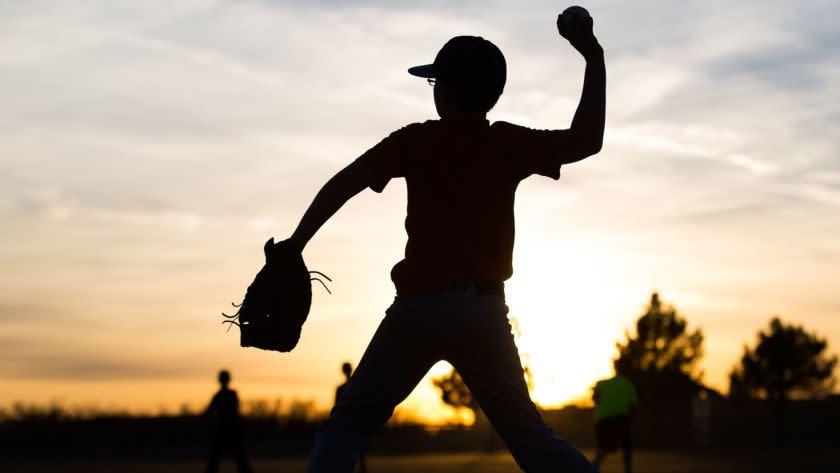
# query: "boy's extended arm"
x,y
587,130
342,187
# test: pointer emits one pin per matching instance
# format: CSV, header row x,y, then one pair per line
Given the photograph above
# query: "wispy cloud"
x,y
146,146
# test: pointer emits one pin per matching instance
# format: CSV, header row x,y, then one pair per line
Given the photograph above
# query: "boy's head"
x,y
621,367
224,378
469,75
347,369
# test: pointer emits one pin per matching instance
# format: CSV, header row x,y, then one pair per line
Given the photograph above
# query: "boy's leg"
x,y
215,453
491,368
238,450
399,355
600,454
601,442
627,446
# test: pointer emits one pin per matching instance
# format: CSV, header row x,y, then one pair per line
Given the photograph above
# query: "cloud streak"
x,y
146,149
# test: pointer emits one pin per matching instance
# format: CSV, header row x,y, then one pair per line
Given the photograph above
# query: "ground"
x,y
728,461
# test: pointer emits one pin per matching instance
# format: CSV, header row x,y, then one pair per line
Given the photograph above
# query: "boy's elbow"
x,y
596,141
586,143
585,151
596,147
351,180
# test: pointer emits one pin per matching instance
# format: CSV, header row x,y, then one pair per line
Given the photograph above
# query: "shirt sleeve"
x,y
390,158
534,151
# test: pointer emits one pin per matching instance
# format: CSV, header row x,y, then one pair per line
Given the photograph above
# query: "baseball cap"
x,y
467,59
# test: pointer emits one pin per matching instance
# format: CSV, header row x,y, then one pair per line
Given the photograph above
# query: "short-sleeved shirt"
x,y
226,406
339,391
461,177
615,397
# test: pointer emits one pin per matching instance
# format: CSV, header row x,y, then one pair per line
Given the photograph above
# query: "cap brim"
x,y
427,71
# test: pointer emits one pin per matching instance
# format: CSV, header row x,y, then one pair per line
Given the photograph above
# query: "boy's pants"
x,y
469,330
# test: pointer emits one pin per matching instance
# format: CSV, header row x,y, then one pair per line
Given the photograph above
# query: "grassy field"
x,y
734,461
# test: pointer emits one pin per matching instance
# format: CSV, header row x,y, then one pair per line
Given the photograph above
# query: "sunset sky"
x,y
148,149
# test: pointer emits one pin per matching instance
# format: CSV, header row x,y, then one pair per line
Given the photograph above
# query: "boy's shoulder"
x,y
429,129
503,125
418,127
433,124
512,129
410,132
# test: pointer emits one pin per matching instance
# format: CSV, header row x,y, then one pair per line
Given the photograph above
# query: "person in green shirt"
x,y
615,399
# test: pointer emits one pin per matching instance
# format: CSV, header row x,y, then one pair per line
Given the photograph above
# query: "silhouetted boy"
x,y
347,369
615,399
462,173
228,434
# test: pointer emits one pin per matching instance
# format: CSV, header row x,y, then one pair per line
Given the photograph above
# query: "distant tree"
x,y
300,411
787,362
185,410
34,413
454,391
661,358
265,409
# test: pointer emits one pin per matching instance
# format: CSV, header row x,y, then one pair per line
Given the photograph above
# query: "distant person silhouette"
x,y
615,399
347,369
462,173
228,432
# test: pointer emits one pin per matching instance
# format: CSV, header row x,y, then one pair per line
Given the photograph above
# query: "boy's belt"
x,y
496,288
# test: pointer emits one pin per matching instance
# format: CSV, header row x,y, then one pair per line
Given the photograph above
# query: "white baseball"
x,y
574,14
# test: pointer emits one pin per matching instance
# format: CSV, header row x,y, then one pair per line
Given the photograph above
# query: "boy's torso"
x,y
615,397
461,177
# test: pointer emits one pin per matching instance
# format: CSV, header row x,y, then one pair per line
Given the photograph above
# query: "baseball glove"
x,y
277,302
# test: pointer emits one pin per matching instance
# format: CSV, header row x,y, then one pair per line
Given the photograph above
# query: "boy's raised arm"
x,y
588,124
342,187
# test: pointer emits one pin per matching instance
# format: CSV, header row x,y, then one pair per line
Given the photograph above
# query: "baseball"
x,y
573,15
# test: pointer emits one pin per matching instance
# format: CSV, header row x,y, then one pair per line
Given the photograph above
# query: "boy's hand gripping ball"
x,y
575,24
573,15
